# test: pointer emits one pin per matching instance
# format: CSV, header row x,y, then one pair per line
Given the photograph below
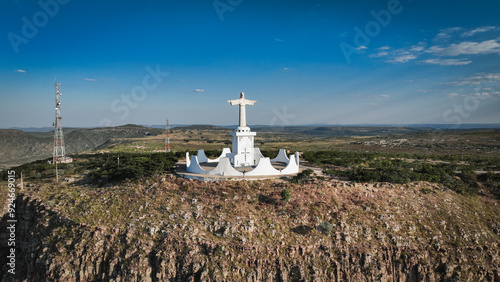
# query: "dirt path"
x,y
317,170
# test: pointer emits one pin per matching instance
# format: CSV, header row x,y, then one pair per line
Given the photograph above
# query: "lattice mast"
x,y
167,140
59,150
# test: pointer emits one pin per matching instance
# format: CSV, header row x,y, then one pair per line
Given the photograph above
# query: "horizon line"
x,y
457,126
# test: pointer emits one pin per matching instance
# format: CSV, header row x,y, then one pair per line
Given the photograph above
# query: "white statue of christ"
x,y
242,102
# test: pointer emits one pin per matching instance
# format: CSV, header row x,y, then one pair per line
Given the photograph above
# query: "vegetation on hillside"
x,y
457,175
451,158
101,168
111,168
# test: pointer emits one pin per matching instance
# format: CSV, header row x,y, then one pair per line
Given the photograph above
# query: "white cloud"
x,y
467,48
418,48
447,62
199,90
361,49
452,94
379,54
480,94
477,30
432,54
403,58
425,91
285,68
279,40
446,33
402,55
491,77
23,71
384,96
477,79
90,79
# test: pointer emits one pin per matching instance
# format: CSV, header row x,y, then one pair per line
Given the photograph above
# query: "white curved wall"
x,y
264,168
188,160
292,166
224,168
225,151
281,158
195,166
257,155
202,158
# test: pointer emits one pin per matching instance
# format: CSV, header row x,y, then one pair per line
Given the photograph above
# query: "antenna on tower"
x,y
167,140
59,153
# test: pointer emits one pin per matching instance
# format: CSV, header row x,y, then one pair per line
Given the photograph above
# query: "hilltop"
x,y
419,206
164,227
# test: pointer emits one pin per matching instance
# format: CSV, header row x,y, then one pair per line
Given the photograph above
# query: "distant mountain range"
x,y
18,147
423,125
22,145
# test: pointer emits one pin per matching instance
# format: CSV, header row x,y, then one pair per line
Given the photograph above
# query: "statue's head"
x,y
242,95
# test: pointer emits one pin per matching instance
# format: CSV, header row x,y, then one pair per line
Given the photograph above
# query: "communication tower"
x,y
59,153
167,140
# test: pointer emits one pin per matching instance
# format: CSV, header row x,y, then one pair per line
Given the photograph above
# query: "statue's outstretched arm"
x,y
234,102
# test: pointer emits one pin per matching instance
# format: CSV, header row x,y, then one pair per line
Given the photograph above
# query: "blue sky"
x,y
305,62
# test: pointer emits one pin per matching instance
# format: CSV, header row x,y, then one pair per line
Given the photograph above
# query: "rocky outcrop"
x,y
52,246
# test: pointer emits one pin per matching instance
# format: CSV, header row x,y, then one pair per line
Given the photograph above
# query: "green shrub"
x,y
325,227
492,180
302,176
285,195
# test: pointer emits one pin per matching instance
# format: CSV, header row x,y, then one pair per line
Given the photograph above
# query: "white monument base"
x,y
224,167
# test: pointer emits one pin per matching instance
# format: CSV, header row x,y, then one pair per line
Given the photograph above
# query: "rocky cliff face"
x,y
328,231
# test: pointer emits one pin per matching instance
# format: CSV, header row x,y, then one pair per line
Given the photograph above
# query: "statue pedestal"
x,y
243,147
